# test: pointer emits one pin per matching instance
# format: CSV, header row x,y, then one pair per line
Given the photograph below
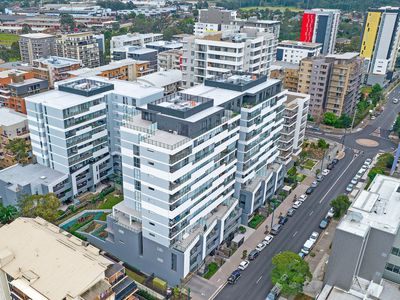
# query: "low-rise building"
x,y
54,68
170,80
36,45
13,125
171,59
295,51
40,261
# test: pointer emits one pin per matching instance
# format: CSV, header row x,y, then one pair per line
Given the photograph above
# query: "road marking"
x,y
333,185
258,280
311,213
218,290
294,234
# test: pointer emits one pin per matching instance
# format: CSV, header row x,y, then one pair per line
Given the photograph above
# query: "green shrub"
x,y
136,277
242,229
212,269
146,295
159,284
256,221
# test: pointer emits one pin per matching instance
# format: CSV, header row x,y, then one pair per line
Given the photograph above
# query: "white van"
x,y
308,245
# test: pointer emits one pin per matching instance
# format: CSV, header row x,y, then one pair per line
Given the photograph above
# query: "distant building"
x,y
40,261
136,53
171,59
36,45
366,245
288,73
83,46
333,82
320,26
13,125
294,126
134,39
170,80
162,46
380,44
294,51
54,68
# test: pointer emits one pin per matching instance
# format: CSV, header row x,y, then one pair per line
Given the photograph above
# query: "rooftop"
x,y
26,82
37,35
8,73
162,78
58,61
47,261
347,55
166,44
297,43
9,117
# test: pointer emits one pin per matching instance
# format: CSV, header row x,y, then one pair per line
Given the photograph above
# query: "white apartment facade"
x,y
134,39
294,51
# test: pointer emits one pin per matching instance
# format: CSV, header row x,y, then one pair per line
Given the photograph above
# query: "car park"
x,y
268,239
330,213
349,188
283,220
234,277
309,191
276,229
302,198
253,254
330,166
325,172
314,184
243,265
314,236
274,293
320,177
290,212
296,204
354,181
307,247
261,246
324,223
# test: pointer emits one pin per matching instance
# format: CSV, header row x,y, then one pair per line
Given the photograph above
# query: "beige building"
x,y
36,45
333,82
13,125
82,46
171,59
288,73
40,261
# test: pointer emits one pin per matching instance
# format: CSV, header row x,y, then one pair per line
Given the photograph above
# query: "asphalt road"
x,y
255,282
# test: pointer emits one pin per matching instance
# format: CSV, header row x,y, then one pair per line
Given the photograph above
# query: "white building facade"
x,y
294,51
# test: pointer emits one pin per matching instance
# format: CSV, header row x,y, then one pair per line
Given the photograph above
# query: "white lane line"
x,y
258,280
295,234
311,213
333,185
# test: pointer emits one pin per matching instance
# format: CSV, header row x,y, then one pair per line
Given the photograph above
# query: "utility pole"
x,y
273,212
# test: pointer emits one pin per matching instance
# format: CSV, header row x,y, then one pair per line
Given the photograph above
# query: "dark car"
x,y
283,220
290,212
253,254
324,223
309,191
335,161
330,166
234,277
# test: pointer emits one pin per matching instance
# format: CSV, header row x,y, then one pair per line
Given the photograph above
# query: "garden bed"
x,y
309,164
212,269
256,221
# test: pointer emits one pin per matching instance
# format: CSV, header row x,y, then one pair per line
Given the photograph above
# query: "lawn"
x,y
110,200
273,8
300,177
212,269
256,221
7,39
309,164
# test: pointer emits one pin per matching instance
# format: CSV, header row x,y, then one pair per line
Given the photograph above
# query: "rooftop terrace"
x,y
86,87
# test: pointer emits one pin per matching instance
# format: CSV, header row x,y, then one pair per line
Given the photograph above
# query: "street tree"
x,y
330,119
19,149
26,29
323,144
290,272
44,206
340,205
396,126
7,214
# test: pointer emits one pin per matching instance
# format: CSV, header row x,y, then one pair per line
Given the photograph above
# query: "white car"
x,y
303,198
349,188
243,265
268,239
296,204
330,213
314,236
368,161
261,246
354,181
325,172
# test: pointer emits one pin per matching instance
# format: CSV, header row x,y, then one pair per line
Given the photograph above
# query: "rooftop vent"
x,y
43,177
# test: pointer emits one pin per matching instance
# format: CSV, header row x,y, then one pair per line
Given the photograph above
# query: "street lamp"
x,y
273,212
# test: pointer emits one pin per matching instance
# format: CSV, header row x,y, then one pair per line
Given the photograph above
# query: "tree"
x,y
67,22
385,160
7,214
396,126
330,119
323,144
44,206
290,272
19,148
344,121
26,29
375,171
340,205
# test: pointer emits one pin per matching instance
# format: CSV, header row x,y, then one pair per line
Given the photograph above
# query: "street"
x,y
255,282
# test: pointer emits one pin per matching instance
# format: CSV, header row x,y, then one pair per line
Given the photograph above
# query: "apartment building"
x,y
170,81
333,82
294,51
162,46
54,68
134,39
250,50
136,53
294,126
75,128
320,26
288,73
380,44
191,161
366,244
82,46
13,125
36,45
41,261
171,59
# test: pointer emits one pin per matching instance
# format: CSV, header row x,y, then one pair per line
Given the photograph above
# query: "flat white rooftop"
x,y
37,35
9,117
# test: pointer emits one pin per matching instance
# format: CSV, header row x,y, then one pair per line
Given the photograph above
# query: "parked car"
x,y
243,265
368,161
314,236
290,212
283,220
324,223
335,161
330,166
349,188
261,246
253,254
234,277
296,204
302,255
274,293
395,100
325,172
276,229
354,181
309,191
308,245
330,213
268,239
320,177
302,198
314,184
